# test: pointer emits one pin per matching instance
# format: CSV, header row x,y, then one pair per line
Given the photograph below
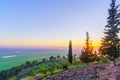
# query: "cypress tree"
x,y
111,40
70,57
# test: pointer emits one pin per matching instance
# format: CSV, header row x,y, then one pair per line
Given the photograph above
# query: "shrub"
x,y
42,68
65,66
57,71
104,59
51,69
32,73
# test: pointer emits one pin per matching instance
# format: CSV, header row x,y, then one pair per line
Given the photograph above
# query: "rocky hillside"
x,y
90,72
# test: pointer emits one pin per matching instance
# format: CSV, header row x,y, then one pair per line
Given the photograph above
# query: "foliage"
x,y
58,66
111,41
87,54
52,58
32,73
65,66
12,78
4,75
57,71
58,57
51,70
44,69
104,59
70,57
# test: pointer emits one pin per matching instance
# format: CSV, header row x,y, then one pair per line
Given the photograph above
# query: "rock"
x,y
101,68
94,72
44,79
38,78
118,77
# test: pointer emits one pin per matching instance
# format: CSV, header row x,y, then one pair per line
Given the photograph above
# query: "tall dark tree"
x,y
111,40
70,57
87,54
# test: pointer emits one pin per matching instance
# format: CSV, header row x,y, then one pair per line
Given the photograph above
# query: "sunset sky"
x,y
51,22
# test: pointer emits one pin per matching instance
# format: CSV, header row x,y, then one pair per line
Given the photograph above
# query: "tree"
x,y
43,60
34,63
70,57
28,64
52,58
58,57
110,41
87,54
17,70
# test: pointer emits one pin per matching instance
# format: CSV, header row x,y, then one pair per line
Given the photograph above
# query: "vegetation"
x,y
111,41
87,55
44,69
70,57
32,73
4,75
54,65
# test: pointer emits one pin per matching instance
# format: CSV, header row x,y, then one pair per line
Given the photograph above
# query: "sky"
x,y
52,22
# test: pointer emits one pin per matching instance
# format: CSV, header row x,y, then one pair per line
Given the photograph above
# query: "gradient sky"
x,y
51,22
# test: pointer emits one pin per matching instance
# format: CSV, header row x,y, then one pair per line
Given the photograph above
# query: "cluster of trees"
x,y
110,43
87,54
110,46
5,75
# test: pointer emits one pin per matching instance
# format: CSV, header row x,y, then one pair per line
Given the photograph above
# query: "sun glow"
x,y
42,43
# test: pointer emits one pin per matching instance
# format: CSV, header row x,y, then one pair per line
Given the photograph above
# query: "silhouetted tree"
x,y
74,57
63,57
28,64
52,58
17,70
87,54
34,63
58,57
110,41
70,57
43,60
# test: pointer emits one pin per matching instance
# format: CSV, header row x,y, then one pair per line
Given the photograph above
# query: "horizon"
x,y
52,23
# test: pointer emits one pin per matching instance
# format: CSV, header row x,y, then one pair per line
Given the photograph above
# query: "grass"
x,y
54,67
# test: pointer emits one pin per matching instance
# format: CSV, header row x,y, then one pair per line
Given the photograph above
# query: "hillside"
x,y
90,72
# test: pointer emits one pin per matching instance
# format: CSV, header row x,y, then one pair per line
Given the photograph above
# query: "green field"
x,y
9,62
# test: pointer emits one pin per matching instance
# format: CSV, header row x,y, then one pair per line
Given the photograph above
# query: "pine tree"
x,y
87,54
70,57
111,40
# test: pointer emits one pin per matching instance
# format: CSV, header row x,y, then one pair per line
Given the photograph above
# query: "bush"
x,y
51,70
87,57
48,73
58,66
42,68
104,59
65,66
57,71
32,73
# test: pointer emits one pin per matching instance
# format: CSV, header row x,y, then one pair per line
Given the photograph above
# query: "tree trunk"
x,y
114,62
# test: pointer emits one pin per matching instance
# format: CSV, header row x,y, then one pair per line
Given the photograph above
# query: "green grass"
x,y
49,68
54,67
7,63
